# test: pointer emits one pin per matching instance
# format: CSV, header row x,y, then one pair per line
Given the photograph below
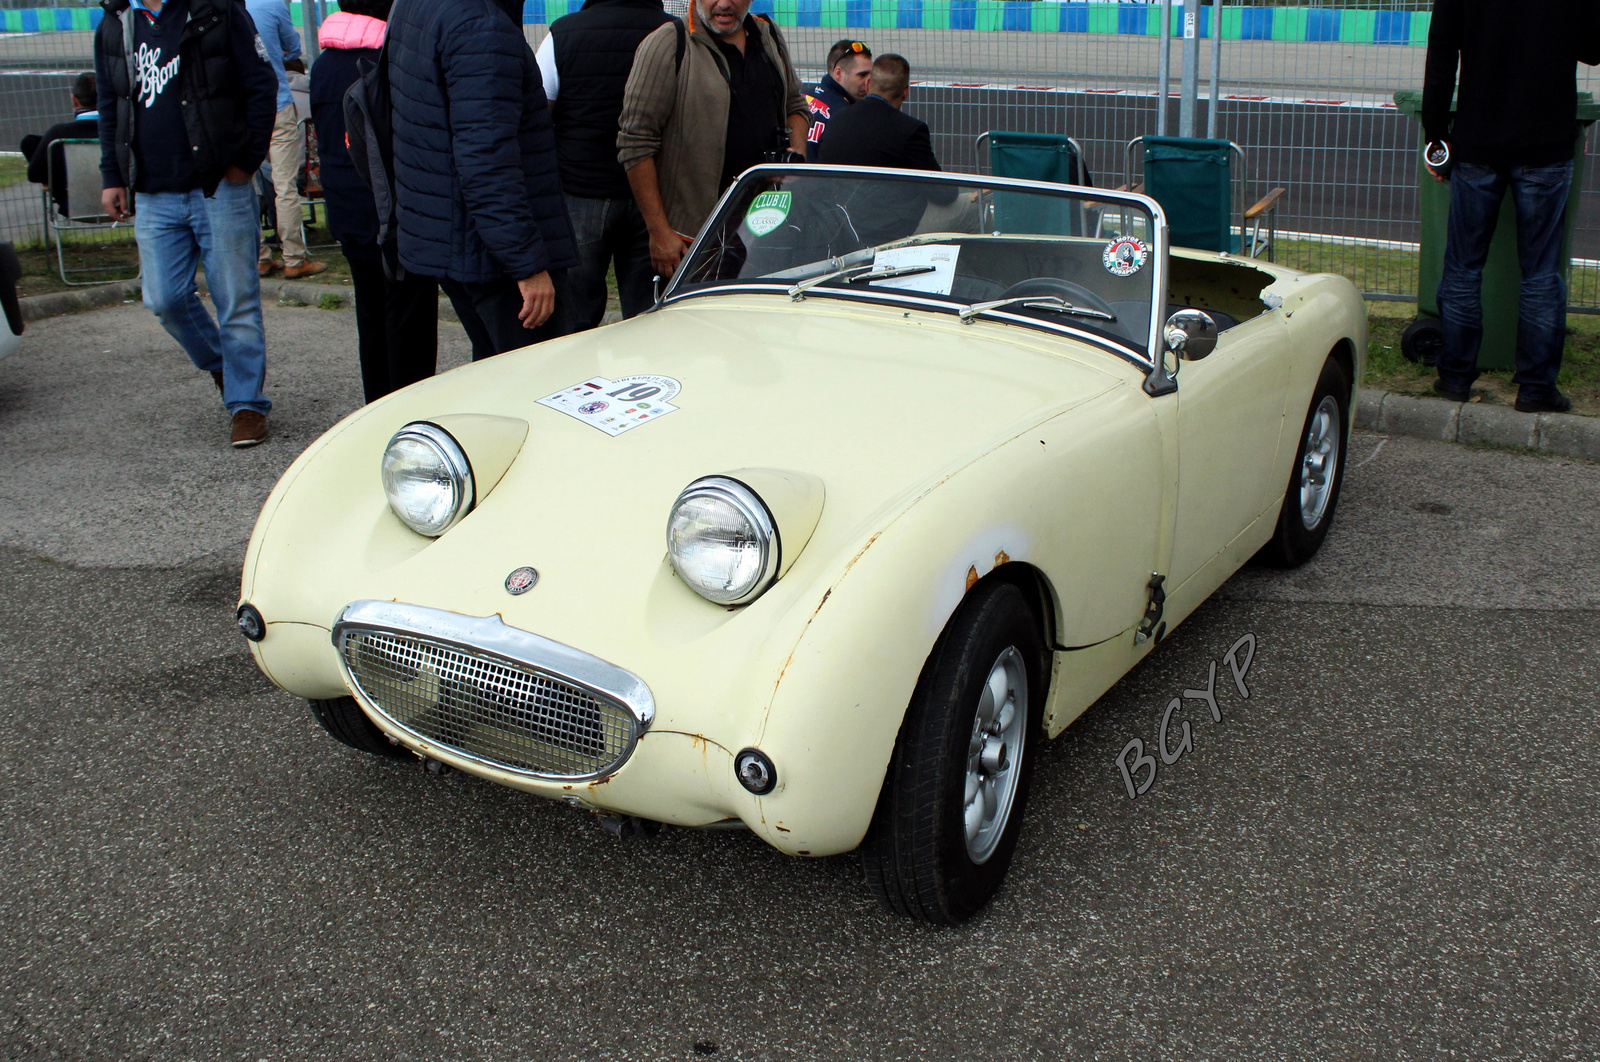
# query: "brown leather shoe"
x,y
217,378
308,268
249,428
266,266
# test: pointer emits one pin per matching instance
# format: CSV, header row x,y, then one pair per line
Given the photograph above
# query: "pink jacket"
x,y
344,30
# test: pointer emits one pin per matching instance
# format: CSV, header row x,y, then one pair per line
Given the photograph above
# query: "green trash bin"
x,y
1502,276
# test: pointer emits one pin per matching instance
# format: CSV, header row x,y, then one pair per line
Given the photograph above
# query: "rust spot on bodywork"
x,y
972,577
598,782
782,828
1001,558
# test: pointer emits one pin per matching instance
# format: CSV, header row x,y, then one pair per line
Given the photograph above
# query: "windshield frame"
x,y
1149,358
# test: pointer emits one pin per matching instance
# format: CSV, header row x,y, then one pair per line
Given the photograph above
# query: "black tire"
x,y
1422,341
1297,539
344,719
916,854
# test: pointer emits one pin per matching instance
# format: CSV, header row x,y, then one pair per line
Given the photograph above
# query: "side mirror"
x,y
1191,334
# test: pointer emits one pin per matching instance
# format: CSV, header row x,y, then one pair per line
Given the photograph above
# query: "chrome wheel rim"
x,y
1320,465
994,754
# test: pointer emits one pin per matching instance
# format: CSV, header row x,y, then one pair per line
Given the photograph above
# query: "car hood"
x,y
880,405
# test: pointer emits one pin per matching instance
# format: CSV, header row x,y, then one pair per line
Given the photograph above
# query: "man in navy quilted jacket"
x,y
477,193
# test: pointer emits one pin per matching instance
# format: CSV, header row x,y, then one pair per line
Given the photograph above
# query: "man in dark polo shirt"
x,y
843,83
585,60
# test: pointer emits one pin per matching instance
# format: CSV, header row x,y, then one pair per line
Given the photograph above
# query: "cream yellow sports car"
x,y
901,474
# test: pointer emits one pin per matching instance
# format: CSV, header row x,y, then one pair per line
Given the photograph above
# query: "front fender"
x,y
1078,498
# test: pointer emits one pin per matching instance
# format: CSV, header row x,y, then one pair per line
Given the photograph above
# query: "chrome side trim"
x,y
490,634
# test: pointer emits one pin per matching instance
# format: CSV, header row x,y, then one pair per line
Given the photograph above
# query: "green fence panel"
x,y
1289,24
991,15
1232,23
935,14
1102,18
1420,20
1357,26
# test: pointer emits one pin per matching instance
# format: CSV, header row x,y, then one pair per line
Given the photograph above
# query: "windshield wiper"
x,y
1053,303
891,272
857,274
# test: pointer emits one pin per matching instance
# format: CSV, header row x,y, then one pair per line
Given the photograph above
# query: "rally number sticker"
x,y
616,406
1125,256
767,211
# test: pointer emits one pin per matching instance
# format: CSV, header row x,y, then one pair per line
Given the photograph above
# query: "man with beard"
x,y
704,102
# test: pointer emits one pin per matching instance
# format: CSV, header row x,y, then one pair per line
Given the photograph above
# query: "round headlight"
x,y
427,478
722,541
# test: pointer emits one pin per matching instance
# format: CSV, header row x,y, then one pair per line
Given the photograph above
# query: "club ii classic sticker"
x,y
1125,256
767,211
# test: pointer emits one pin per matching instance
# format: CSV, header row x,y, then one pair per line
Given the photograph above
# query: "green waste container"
x,y
1502,276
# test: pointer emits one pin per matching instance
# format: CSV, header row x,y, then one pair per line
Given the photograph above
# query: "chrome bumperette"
x,y
490,693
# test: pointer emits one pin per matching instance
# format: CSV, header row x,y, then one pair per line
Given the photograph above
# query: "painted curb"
x,y
1561,434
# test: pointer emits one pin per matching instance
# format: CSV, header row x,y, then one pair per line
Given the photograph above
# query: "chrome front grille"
x,y
503,709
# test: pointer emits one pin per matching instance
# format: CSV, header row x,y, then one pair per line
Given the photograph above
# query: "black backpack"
x,y
369,135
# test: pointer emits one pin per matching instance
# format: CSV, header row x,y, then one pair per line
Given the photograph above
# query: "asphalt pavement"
x,y
1388,851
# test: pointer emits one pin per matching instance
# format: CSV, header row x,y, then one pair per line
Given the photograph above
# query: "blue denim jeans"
x,y
603,231
179,230
1539,194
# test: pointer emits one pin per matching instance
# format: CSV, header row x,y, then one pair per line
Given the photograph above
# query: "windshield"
x,y
1072,258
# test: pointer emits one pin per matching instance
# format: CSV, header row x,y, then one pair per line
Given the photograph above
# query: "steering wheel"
x,y
1066,290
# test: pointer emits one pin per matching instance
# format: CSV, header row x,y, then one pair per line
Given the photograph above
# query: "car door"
x,y
1230,425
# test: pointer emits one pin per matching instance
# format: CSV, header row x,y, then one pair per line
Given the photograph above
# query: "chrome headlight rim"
x,y
755,511
454,459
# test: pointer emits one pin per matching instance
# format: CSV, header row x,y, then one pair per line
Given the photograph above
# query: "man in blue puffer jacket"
x,y
478,197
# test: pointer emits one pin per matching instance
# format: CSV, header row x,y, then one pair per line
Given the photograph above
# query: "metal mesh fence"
x,y
1306,88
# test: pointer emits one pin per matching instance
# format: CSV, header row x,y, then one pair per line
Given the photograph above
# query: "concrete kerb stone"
x,y
1569,436
1369,409
1561,434
37,307
1500,425
1425,418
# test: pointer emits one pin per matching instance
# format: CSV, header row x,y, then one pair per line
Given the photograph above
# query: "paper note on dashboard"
x,y
941,256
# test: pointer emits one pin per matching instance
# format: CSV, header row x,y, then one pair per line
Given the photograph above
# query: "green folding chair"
x,y
1192,179
1036,157
79,170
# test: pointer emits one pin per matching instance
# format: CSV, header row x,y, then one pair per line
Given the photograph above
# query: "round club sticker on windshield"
x,y
767,211
1125,256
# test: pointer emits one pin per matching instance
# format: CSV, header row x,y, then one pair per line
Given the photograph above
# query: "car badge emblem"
x,y
521,581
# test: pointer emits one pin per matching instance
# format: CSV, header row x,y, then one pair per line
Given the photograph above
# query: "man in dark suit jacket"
x,y
875,132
